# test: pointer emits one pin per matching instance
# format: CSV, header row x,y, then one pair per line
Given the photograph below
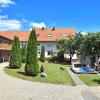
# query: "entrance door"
x,y
93,60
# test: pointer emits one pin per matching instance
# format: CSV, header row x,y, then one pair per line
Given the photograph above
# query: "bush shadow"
x,y
97,81
23,73
8,67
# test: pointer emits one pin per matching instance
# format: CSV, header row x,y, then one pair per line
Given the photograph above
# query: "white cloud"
x,y
38,25
6,3
5,16
25,20
10,24
84,33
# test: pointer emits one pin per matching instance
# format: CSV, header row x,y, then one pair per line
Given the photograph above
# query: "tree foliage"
x,y
23,54
15,58
88,45
70,45
42,56
91,45
32,67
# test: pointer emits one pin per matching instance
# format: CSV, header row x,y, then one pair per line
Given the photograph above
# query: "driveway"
x,y
17,89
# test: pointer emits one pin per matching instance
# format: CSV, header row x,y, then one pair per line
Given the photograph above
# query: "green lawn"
x,y
54,74
90,79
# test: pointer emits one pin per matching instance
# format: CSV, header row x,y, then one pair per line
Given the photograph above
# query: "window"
x,y
38,44
49,35
49,45
49,52
1,41
64,35
39,52
0,54
57,46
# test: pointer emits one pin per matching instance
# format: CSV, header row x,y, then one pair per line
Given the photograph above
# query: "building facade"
x,y
89,60
45,36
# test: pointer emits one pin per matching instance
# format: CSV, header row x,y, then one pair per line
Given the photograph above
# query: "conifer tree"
x,y
42,56
15,58
32,67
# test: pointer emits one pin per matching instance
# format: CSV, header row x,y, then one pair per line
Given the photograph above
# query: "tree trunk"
x,y
70,59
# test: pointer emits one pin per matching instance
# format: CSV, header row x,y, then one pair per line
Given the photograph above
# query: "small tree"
x,y
41,69
23,54
70,45
32,67
42,56
60,57
15,58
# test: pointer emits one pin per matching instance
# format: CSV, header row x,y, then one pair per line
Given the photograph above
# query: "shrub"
x,y
32,67
61,57
15,58
53,59
42,56
41,69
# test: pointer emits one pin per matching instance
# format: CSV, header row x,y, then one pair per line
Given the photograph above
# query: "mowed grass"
x,y
54,74
90,79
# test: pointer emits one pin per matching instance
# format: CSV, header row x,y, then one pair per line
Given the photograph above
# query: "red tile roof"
x,y
42,35
5,47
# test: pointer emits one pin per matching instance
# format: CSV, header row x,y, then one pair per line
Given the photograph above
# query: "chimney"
x,y
53,29
42,28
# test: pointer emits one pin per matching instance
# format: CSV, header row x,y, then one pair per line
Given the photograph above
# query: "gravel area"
x,y
17,89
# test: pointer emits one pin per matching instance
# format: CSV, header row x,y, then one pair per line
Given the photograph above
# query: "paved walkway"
x,y
18,89
86,92
75,78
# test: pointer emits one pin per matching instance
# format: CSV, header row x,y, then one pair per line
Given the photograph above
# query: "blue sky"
x,y
84,15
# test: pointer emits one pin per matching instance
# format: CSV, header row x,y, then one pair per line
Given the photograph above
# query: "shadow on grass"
x,y
97,81
8,67
23,73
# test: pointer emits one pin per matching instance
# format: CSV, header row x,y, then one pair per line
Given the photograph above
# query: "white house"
x,y
45,36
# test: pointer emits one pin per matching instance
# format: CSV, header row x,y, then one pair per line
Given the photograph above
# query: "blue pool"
x,y
85,69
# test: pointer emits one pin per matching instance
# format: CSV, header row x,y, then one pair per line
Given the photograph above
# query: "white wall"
x,y
74,56
49,46
87,60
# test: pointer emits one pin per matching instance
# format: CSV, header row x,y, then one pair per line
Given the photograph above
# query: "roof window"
x,y
64,35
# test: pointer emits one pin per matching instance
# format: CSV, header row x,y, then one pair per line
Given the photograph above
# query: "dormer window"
x,y
49,35
64,35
